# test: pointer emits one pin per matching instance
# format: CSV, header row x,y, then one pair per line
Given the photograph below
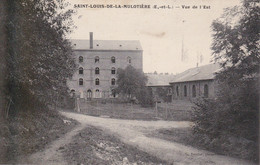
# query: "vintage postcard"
x,y
129,82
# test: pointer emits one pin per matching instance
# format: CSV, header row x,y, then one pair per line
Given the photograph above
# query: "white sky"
x,y
160,31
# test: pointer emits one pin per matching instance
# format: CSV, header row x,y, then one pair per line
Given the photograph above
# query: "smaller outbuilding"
x,y
195,82
160,87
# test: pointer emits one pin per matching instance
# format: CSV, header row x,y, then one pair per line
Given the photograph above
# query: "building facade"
x,y
193,89
196,82
98,62
160,87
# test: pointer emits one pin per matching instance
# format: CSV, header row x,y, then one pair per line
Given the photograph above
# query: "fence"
x,y
162,111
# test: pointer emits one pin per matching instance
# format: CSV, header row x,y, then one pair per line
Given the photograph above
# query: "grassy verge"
x,y
94,146
29,132
230,146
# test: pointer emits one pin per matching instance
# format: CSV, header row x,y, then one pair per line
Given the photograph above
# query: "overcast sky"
x,y
160,31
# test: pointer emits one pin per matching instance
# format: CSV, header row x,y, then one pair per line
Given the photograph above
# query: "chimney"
x,y
91,40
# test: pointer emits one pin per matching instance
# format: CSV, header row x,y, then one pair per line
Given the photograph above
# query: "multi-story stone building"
x,y
98,62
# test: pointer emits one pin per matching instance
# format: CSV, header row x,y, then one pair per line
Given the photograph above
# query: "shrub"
x,y
229,123
145,97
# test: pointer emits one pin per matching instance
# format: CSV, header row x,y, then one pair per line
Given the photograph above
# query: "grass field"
x,y
179,111
236,147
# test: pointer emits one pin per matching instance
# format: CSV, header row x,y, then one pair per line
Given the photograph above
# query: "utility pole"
x,y
156,109
183,51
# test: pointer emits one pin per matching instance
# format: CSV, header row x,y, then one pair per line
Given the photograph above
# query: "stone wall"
x,y
179,91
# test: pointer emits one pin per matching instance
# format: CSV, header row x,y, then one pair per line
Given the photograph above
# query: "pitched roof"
x,y
106,45
159,80
206,72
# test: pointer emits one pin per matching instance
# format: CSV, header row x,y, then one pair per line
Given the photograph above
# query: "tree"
x,y
236,47
3,15
162,93
236,44
234,113
131,83
39,58
145,97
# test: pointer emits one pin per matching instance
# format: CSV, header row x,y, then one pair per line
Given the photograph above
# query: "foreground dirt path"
x,y
53,155
133,132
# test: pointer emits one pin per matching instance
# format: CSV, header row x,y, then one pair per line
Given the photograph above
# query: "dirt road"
x,y
52,155
133,132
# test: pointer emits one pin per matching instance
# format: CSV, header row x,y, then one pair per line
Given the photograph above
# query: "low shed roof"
x,y
206,72
159,79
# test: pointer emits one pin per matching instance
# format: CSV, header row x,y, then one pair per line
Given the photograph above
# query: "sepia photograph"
x,y
129,82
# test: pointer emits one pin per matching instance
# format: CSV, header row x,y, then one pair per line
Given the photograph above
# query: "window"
x,y
193,91
89,94
113,93
129,60
177,91
185,91
72,93
97,93
170,91
113,81
97,70
97,81
80,59
80,81
206,90
96,59
113,70
80,70
113,59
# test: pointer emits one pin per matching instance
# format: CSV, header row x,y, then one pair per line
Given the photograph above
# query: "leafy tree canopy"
x,y
130,81
236,46
39,56
236,38
234,113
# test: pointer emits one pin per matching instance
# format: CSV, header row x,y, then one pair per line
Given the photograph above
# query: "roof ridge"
x,y
83,44
103,40
198,73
